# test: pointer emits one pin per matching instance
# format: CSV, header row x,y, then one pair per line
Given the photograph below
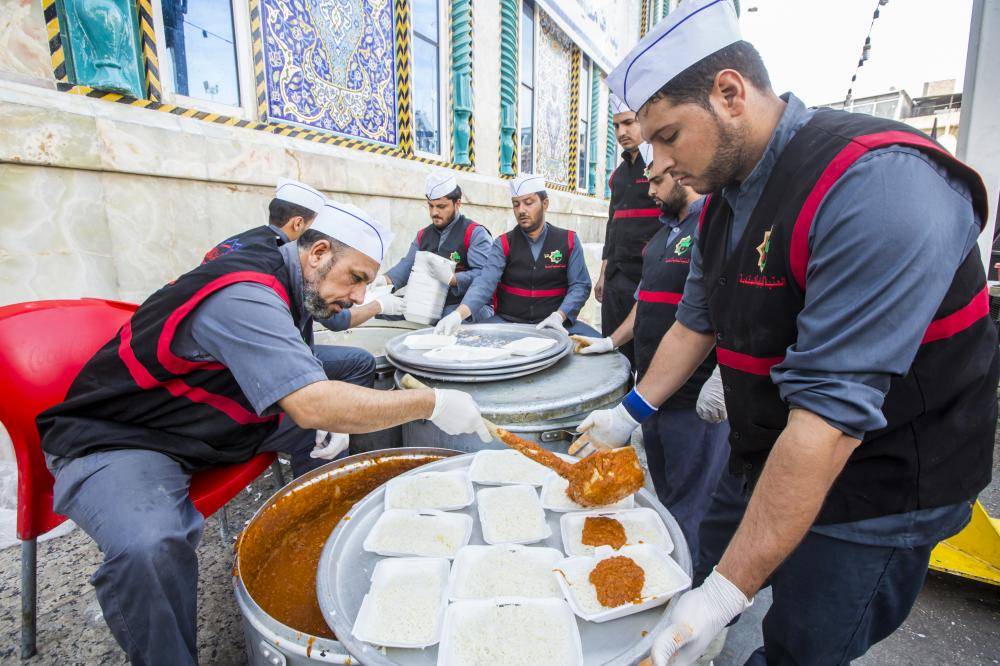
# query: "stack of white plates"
x,y
425,295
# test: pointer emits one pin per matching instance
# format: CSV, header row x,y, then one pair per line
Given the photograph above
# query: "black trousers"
x,y
619,298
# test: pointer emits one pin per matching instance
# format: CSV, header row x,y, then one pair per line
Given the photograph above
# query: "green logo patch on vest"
x,y
762,250
554,257
683,245
455,256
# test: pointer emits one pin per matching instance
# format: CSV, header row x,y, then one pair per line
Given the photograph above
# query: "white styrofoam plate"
x,y
494,504
405,569
574,580
459,477
639,519
488,469
471,561
461,617
433,524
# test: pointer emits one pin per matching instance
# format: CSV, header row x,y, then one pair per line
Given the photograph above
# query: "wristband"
x,y
637,407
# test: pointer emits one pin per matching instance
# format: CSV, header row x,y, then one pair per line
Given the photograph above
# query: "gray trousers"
x,y
134,504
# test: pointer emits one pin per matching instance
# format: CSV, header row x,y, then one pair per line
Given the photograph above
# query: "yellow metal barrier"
x,y
974,552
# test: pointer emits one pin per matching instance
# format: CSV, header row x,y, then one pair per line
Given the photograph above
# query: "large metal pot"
x,y
269,642
544,407
372,336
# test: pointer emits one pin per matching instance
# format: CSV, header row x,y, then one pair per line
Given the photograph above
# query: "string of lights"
x,y
866,51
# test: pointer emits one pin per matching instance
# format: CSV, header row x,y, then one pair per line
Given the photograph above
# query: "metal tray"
x,y
490,335
370,336
621,642
478,376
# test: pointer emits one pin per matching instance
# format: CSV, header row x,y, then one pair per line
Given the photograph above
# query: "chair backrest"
x,y
43,346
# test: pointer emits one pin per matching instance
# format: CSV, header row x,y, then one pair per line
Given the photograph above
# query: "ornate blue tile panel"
x,y
330,64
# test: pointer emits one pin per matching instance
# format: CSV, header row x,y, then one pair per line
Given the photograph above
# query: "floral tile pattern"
x,y
329,64
554,71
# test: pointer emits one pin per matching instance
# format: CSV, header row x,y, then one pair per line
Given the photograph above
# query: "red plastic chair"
x,y
43,345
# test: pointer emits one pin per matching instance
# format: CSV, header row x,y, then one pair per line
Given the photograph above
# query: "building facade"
x,y
138,133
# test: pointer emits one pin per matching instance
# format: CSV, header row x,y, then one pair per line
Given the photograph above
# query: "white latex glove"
x,y
553,321
594,345
329,445
699,615
711,405
448,324
441,271
457,413
391,305
380,281
607,428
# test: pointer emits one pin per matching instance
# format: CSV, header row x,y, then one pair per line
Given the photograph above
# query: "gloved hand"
x,y
380,281
711,405
449,323
553,321
391,305
699,615
607,428
441,271
587,345
329,445
457,413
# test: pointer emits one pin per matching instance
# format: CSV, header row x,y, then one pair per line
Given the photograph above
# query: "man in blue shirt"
x,y
836,273
536,272
451,235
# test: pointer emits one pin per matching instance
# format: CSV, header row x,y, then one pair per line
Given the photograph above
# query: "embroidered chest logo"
x,y
762,250
455,256
682,246
554,257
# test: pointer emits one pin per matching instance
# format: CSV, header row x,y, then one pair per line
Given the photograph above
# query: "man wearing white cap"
x,y
199,377
451,235
836,272
536,270
290,212
633,218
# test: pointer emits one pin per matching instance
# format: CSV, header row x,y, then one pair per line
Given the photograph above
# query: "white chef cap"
x,y
354,227
300,194
617,106
526,183
696,29
440,184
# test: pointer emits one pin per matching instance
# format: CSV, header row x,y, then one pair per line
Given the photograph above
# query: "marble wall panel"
x,y
161,150
24,45
54,240
553,75
330,64
36,134
159,228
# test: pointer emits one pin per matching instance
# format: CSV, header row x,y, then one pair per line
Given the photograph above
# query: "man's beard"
x,y
675,202
311,299
726,163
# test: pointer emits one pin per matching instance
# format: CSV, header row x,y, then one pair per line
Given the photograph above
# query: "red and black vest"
x,y
530,290
635,219
664,271
264,234
454,247
936,448
135,392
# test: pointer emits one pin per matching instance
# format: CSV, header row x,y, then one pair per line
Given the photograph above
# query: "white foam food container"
x,y
515,503
534,565
496,467
471,620
406,570
574,572
642,526
397,487
554,497
429,526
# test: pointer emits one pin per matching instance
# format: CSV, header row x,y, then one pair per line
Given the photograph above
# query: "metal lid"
x,y
371,336
575,385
